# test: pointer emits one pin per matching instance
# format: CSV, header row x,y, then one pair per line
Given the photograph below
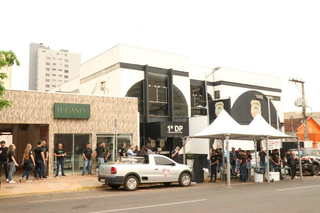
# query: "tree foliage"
x,y
7,59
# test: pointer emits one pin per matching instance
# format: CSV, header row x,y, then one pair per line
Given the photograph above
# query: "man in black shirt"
x,y
101,153
233,160
87,152
122,151
3,158
243,165
291,163
276,161
60,154
39,160
46,154
214,163
262,157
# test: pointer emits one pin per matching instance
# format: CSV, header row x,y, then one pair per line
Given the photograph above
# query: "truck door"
x,y
165,170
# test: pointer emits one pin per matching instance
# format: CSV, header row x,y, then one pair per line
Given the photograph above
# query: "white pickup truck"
x,y
136,170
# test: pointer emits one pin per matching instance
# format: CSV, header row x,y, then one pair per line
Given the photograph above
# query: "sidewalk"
x,y
69,183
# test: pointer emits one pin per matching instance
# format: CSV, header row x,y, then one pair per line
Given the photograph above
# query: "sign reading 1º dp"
x,y
73,111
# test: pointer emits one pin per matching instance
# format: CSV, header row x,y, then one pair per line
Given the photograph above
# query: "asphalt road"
x,y
284,196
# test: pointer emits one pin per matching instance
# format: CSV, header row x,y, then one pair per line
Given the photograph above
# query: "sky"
x,y
280,38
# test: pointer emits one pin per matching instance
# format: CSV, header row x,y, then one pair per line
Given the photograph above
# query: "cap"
x,y
2,142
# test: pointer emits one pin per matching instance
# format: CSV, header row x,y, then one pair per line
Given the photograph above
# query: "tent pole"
x,y
267,160
228,160
223,161
184,150
299,155
255,152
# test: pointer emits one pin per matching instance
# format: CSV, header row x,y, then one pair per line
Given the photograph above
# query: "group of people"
x,y
240,162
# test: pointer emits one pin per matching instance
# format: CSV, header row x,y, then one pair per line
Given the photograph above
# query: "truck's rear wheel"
x,y
114,186
315,170
131,183
185,180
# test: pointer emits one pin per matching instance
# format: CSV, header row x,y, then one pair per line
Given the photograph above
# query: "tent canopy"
x,y
313,130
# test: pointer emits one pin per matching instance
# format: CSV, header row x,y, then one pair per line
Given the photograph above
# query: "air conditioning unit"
x,y
300,103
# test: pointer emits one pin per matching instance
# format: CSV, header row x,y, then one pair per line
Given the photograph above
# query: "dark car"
x,y
310,160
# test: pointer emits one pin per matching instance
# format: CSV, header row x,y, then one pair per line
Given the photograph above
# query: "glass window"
x,y
47,69
158,95
66,71
47,63
54,64
66,60
66,76
163,161
198,102
137,92
48,58
47,80
47,74
73,145
180,103
66,65
54,69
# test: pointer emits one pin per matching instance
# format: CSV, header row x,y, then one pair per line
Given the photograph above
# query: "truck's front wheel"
x,y
131,183
185,179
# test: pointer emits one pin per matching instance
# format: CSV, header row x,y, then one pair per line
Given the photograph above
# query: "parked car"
x,y
132,171
310,160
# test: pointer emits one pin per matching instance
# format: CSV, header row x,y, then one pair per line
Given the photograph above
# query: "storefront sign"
x,y
73,111
168,129
272,144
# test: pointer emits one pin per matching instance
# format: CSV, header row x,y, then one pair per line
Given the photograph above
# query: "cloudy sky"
x,y
280,38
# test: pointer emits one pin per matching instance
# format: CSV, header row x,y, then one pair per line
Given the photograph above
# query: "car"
x,y
310,160
136,170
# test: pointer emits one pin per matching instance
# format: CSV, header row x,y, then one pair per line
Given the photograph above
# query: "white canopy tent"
x,y
225,127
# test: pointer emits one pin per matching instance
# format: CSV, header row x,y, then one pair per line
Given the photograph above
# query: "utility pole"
x,y
304,107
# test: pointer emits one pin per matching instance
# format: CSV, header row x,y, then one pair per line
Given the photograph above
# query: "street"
x,y
284,196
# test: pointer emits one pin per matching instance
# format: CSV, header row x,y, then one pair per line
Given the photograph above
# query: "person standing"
x,y
3,159
214,163
130,151
87,152
100,153
276,161
122,151
12,163
28,163
249,159
291,163
136,150
46,155
262,158
148,148
243,166
209,159
142,151
175,154
39,160
233,159
60,154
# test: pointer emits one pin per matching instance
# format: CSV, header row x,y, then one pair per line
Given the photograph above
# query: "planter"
x,y
190,162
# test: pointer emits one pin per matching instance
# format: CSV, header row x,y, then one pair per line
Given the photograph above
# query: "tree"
x,y
7,59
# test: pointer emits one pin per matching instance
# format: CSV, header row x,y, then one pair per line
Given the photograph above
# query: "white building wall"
x,y
195,145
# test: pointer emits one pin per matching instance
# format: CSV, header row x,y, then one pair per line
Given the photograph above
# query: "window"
x,y
54,75
47,80
57,53
66,65
66,71
60,70
48,58
65,81
47,74
54,69
180,103
53,80
163,161
47,85
54,58
43,51
198,99
60,75
66,60
53,86
217,94
66,76
47,69
60,59
158,95
47,63
65,54
54,64
137,92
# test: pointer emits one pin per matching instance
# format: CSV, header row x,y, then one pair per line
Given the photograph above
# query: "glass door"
x,y
67,145
80,142
108,140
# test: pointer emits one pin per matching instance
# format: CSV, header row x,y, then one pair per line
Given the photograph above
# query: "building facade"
x,y
172,93
49,68
71,119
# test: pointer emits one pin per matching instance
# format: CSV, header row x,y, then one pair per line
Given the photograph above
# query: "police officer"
x,y
214,162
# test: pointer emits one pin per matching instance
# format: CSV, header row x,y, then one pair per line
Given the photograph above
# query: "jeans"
x,y
87,163
293,171
209,165
5,165
38,168
100,161
12,170
237,165
248,170
264,165
60,162
44,168
214,172
243,168
26,173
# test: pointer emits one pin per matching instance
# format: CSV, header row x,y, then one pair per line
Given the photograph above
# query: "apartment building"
x,y
50,68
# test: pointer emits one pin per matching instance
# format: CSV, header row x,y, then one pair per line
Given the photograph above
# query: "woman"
x,y
249,159
27,163
12,163
295,161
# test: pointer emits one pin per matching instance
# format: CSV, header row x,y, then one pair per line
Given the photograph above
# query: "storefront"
x,y
71,119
